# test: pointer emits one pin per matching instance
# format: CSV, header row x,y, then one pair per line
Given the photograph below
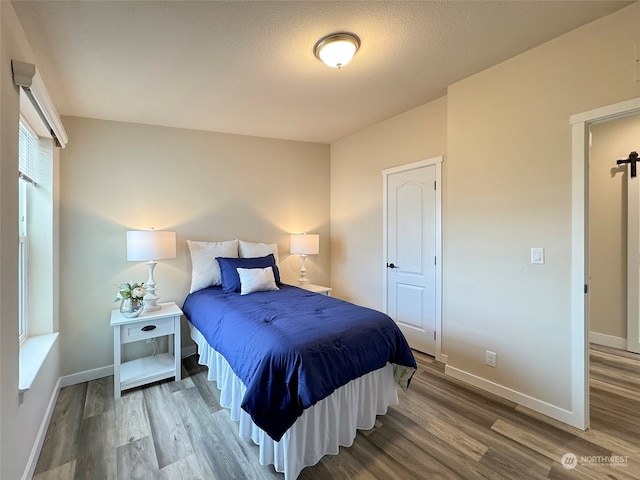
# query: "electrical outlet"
x,y
490,358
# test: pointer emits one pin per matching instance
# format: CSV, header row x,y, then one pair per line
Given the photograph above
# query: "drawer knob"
x,y
148,328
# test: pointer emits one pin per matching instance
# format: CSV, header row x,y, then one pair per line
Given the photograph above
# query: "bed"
x,y
301,372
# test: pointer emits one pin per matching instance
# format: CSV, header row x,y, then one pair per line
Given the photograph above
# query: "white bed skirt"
x,y
329,424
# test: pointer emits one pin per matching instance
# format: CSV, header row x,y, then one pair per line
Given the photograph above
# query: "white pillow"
x,y
205,270
256,280
252,250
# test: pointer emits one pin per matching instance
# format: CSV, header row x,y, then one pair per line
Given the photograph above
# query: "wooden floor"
x,y
442,429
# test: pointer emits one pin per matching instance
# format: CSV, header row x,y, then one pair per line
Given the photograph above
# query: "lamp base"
x,y
150,300
303,280
151,305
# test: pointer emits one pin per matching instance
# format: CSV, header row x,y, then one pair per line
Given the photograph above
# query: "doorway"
x,y
412,289
580,321
613,234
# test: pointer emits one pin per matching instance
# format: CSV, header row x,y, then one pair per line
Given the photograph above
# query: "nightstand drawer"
x,y
143,330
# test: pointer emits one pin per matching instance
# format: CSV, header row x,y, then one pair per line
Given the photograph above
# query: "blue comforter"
x,y
292,348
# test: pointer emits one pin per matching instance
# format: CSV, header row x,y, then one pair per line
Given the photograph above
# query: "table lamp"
x,y
149,246
304,244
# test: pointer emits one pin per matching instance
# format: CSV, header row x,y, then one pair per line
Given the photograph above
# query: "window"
x,y
35,229
39,130
28,167
35,249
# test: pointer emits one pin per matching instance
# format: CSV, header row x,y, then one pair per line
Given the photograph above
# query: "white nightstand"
x,y
318,289
141,371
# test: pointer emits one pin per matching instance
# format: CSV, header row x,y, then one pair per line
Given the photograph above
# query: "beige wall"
x,y
507,189
205,186
20,418
608,225
356,194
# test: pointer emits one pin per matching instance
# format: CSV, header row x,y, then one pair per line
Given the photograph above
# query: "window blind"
x,y
30,164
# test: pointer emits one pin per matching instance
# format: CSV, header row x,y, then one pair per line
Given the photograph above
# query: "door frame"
x,y
579,416
437,162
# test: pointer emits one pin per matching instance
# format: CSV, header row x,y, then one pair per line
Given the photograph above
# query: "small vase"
x,y
131,307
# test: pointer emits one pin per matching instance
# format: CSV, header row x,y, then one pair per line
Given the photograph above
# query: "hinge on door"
x,y
434,335
434,185
435,260
586,289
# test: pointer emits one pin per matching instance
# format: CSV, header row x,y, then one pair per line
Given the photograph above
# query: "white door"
x,y
413,252
633,262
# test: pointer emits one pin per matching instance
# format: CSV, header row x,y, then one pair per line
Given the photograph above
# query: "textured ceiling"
x,y
248,67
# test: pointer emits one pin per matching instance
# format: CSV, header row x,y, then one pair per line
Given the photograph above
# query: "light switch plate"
x,y
537,255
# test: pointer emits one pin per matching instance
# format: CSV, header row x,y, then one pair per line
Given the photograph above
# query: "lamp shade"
x,y
143,245
305,244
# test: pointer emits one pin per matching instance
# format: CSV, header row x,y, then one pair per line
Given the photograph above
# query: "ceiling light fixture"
x,y
337,49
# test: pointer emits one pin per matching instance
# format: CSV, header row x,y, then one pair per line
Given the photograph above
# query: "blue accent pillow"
x,y
229,274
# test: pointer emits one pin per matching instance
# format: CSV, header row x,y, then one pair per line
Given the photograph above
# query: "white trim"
x,y
437,161
96,373
42,433
602,114
413,166
86,376
33,353
579,310
513,395
608,340
579,259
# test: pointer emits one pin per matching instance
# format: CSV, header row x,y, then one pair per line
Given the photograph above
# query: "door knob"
x,y
391,265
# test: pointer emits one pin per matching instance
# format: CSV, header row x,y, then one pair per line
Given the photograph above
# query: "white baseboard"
x,y
42,433
540,406
608,340
96,373
86,376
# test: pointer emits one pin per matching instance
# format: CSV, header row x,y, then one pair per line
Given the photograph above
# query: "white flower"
x,y
131,290
138,292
